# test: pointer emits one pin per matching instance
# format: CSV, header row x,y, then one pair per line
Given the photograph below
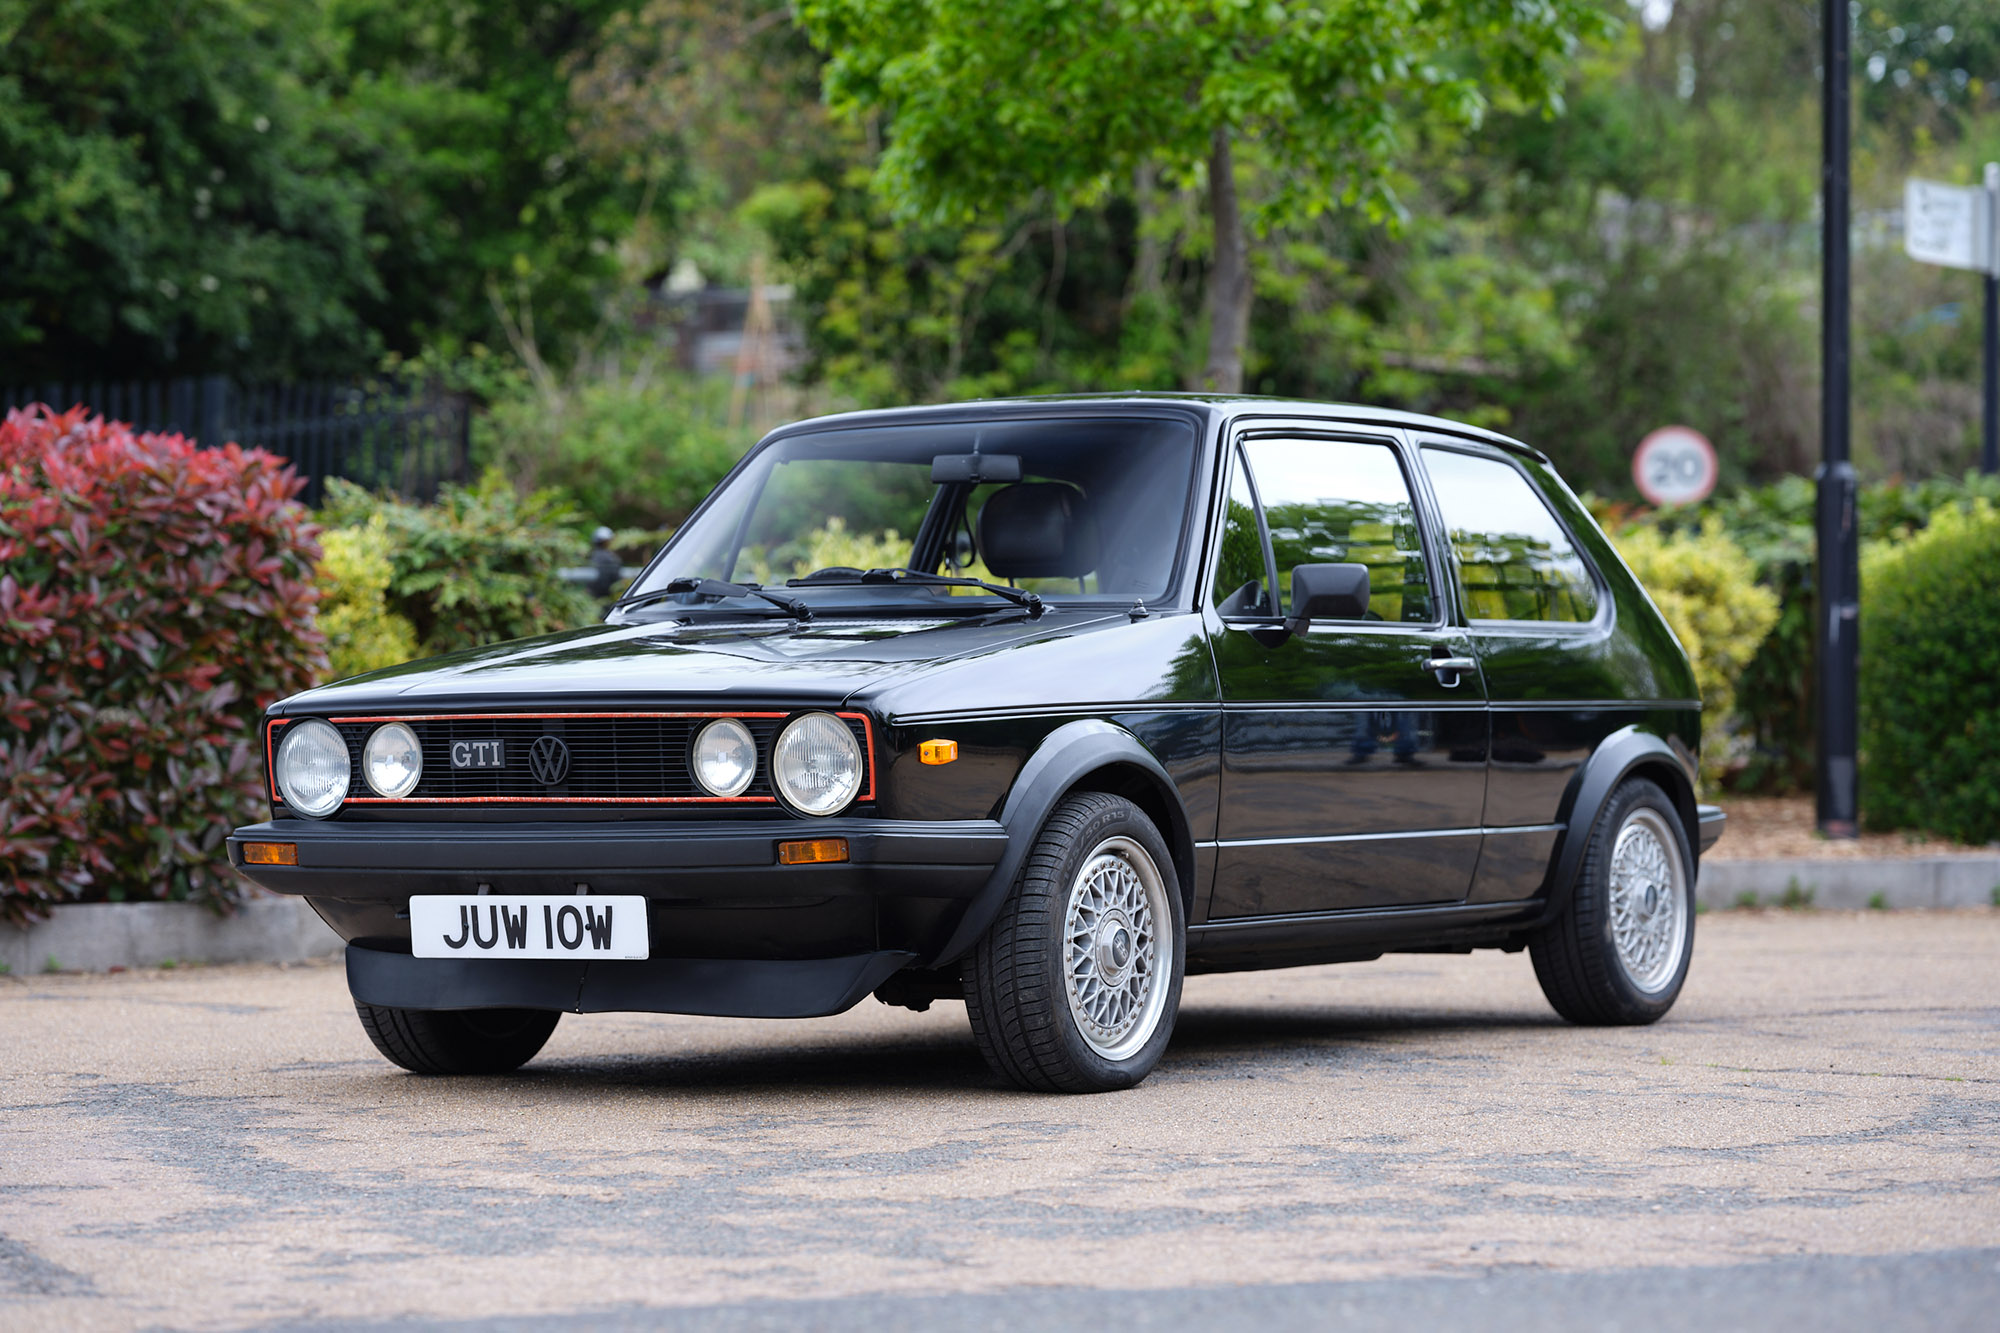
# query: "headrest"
x,y
1038,530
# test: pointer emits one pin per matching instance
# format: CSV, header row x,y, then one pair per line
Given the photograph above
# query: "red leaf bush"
x,y
154,597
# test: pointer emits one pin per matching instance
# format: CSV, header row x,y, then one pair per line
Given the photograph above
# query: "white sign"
x,y
1950,225
1675,465
527,925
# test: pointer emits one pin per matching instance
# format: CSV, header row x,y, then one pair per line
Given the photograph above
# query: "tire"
x,y
468,1041
1041,1013
1618,954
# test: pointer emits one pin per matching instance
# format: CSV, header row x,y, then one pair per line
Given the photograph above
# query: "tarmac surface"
x,y
1811,1139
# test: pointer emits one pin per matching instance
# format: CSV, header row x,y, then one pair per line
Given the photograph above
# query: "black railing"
x,y
383,434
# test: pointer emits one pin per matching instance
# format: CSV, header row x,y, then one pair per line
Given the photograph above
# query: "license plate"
x,y
479,754
523,925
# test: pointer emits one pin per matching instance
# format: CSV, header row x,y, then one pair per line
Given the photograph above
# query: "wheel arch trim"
x,y
1087,755
1632,751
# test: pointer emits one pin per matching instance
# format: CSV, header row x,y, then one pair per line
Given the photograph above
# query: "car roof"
x,y
1210,405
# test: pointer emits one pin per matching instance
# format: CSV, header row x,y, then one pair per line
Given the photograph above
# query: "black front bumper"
x,y
732,931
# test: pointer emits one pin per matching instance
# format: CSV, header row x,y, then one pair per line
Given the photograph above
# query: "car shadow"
x,y
943,1061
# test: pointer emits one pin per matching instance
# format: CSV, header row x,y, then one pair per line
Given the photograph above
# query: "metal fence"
x,y
383,434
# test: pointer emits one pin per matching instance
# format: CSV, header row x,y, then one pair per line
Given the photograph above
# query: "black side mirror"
x,y
1327,592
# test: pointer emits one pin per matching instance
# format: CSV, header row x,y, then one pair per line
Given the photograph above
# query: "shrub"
x,y
362,633
1930,677
1706,587
628,450
478,566
154,597
1774,526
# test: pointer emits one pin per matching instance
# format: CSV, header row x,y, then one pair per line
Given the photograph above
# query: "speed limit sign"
x,y
1675,465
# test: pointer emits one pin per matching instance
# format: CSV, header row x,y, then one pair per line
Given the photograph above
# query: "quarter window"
x,y
1515,561
1324,502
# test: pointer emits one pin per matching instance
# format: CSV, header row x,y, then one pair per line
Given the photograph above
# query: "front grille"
x,y
614,758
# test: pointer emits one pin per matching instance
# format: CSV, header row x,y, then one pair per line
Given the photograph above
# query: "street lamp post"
x,y
1839,592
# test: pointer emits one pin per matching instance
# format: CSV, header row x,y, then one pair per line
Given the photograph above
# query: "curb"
x,y
1914,881
96,937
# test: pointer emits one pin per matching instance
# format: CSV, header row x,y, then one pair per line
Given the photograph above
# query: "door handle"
x,y
1452,666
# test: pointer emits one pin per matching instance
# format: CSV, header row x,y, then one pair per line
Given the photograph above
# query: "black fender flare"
x,y
1067,758
1629,751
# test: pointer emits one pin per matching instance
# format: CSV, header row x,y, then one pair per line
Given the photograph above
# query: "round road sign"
x,y
1675,465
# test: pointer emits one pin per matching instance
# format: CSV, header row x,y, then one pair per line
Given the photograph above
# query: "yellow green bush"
x,y
1707,588
362,633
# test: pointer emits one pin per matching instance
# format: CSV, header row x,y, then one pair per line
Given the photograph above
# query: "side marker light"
x,y
270,853
814,851
937,752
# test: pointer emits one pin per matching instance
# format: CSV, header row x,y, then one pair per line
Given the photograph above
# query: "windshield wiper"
x,y
918,578
792,606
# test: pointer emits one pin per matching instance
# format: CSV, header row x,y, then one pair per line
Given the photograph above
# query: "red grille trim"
x,y
277,797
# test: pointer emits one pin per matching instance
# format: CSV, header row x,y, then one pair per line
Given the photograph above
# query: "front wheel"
x,y
469,1041
1075,986
1619,952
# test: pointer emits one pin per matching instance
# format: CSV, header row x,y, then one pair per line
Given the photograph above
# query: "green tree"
x,y
991,100
170,196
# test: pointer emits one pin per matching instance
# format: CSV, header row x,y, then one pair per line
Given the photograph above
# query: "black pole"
x,y
1838,656
1989,420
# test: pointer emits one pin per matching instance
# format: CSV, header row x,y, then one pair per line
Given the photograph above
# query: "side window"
x,y
1515,561
1343,502
1239,570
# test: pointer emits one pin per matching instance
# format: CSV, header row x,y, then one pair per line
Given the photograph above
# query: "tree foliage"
x,y
290,187
988,102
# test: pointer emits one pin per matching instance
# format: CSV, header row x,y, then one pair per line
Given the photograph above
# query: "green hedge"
x,y
1774,526
1930,678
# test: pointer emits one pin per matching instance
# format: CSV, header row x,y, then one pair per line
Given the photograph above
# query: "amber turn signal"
x,y
937,752
812,852
270,853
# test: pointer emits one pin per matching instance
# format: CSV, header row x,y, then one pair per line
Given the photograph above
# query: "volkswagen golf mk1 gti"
x,y
1043,705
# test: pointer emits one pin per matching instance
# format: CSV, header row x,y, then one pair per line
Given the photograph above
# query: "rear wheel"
x,y
467,1041
1619,952
1075,986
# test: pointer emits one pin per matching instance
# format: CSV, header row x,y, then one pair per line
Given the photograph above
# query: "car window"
x,y
1515,561
1239,569
1342,502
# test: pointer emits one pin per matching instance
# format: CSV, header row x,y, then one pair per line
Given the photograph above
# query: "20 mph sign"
x,y
1675,465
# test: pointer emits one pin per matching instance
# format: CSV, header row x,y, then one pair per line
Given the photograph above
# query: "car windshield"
x,y
1071,509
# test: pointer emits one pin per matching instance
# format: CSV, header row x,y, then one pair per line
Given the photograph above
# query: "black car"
x,y
1039,704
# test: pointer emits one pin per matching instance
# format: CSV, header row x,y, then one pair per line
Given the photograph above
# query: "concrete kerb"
x,y
1893,882
96,937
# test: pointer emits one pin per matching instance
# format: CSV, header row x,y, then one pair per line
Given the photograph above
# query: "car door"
x,y
1353,771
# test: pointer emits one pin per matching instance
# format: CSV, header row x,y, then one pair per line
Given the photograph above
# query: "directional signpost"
x,y
1958,226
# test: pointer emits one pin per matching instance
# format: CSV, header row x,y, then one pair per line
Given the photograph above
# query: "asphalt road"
x,y
1811,1140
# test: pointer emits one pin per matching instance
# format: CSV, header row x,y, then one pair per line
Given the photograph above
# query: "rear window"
x,y
1515,559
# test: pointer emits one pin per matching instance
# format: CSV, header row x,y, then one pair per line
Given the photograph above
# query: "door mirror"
x,y
1327,592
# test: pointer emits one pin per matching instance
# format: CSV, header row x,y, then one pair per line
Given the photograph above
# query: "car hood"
x,y
748,661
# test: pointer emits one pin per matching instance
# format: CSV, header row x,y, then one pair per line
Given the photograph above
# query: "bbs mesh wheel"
x,y
1619,952
1075,986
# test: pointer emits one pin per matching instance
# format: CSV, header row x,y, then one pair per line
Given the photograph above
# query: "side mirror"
x,y
1327,592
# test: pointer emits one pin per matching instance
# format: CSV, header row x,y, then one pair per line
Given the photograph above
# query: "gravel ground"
x,y
1814,1134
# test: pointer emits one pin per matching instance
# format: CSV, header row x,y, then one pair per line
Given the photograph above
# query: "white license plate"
x,y
528,925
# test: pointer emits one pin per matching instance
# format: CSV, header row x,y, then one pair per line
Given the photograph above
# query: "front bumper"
x,y
728,923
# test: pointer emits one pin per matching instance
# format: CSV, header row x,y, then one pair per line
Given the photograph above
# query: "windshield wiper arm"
x,y
792,606
918,578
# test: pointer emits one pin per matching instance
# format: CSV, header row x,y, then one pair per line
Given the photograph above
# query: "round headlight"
x,y
313,768
392,760
817,764
725,757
